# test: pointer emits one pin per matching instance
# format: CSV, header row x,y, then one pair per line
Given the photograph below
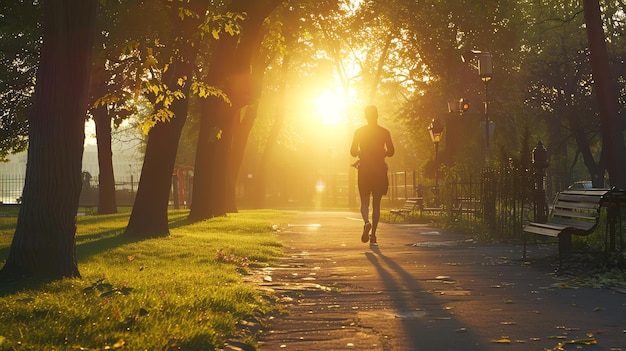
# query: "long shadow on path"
x,y
426,320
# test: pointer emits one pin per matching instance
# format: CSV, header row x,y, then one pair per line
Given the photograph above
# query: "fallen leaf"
x,y
508,323
461,330
501,341
591,341
557,337
576,342
598,309
118,345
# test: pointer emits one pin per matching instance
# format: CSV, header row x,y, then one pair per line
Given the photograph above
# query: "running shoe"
x,y
373,241
365,237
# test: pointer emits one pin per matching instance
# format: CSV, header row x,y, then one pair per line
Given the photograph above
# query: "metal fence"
x,y
402,185
125,190
11,189
498,199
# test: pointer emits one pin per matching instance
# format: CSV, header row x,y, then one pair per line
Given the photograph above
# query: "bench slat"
x,y
589,192
577,205
547,231
581,216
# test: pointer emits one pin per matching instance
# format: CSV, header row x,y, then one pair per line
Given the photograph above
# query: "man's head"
x,y
371,114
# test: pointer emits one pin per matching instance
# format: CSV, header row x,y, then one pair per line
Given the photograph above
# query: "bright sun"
x,y
331,107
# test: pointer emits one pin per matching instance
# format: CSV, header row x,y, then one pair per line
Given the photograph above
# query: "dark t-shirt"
x,y
372,143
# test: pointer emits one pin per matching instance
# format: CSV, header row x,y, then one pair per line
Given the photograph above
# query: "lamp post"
x,y
436,130
485,72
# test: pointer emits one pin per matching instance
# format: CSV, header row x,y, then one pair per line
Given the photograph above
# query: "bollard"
x,y
540,163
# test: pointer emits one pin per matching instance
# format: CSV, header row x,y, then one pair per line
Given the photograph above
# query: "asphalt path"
x,y
424,288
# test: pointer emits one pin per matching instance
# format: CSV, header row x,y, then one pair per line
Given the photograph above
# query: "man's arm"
x,y
354,149
389,145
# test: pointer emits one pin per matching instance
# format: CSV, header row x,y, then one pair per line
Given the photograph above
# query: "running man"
x,y
371,144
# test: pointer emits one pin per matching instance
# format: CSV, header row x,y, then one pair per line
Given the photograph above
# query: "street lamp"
x,y
485,72
458,106
436,130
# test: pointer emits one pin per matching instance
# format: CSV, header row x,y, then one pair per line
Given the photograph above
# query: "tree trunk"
x,y
221,157
241,132
230,70
203,196
149,217
44,243
612,134
98,87
243,127
107,203
596,169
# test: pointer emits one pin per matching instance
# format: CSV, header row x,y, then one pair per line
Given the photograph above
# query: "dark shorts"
x,y
373,180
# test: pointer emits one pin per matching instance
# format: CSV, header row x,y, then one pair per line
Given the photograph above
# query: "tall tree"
x,y
230,70
149,217
44,241
606,92
107,202
107,88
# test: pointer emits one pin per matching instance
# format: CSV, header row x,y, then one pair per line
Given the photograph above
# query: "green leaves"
x,y
164,97
228,22
204,90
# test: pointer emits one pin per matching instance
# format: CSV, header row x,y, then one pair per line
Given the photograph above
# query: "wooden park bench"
x,y
411,205
575,212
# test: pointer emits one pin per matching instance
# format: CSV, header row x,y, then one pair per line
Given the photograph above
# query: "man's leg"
x,y
376,200
365,205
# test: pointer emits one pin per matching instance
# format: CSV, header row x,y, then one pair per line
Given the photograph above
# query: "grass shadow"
x,y
87,245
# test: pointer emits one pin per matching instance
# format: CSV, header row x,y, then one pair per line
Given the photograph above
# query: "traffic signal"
x,y
463,105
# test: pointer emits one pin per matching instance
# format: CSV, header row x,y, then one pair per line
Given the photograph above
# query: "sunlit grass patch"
x,y
183,292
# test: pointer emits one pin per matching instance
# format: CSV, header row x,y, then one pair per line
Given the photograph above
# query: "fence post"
x,y
489,193
540,163
176,195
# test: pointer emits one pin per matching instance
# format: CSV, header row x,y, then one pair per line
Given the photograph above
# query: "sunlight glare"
x,y
331,107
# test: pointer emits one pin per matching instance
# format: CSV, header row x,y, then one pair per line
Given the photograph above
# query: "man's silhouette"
x,y
371,143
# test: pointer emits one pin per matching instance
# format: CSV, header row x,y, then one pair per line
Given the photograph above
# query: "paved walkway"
x,y
427,289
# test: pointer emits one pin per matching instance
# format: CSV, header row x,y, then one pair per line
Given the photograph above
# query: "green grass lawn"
x,y
183,292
